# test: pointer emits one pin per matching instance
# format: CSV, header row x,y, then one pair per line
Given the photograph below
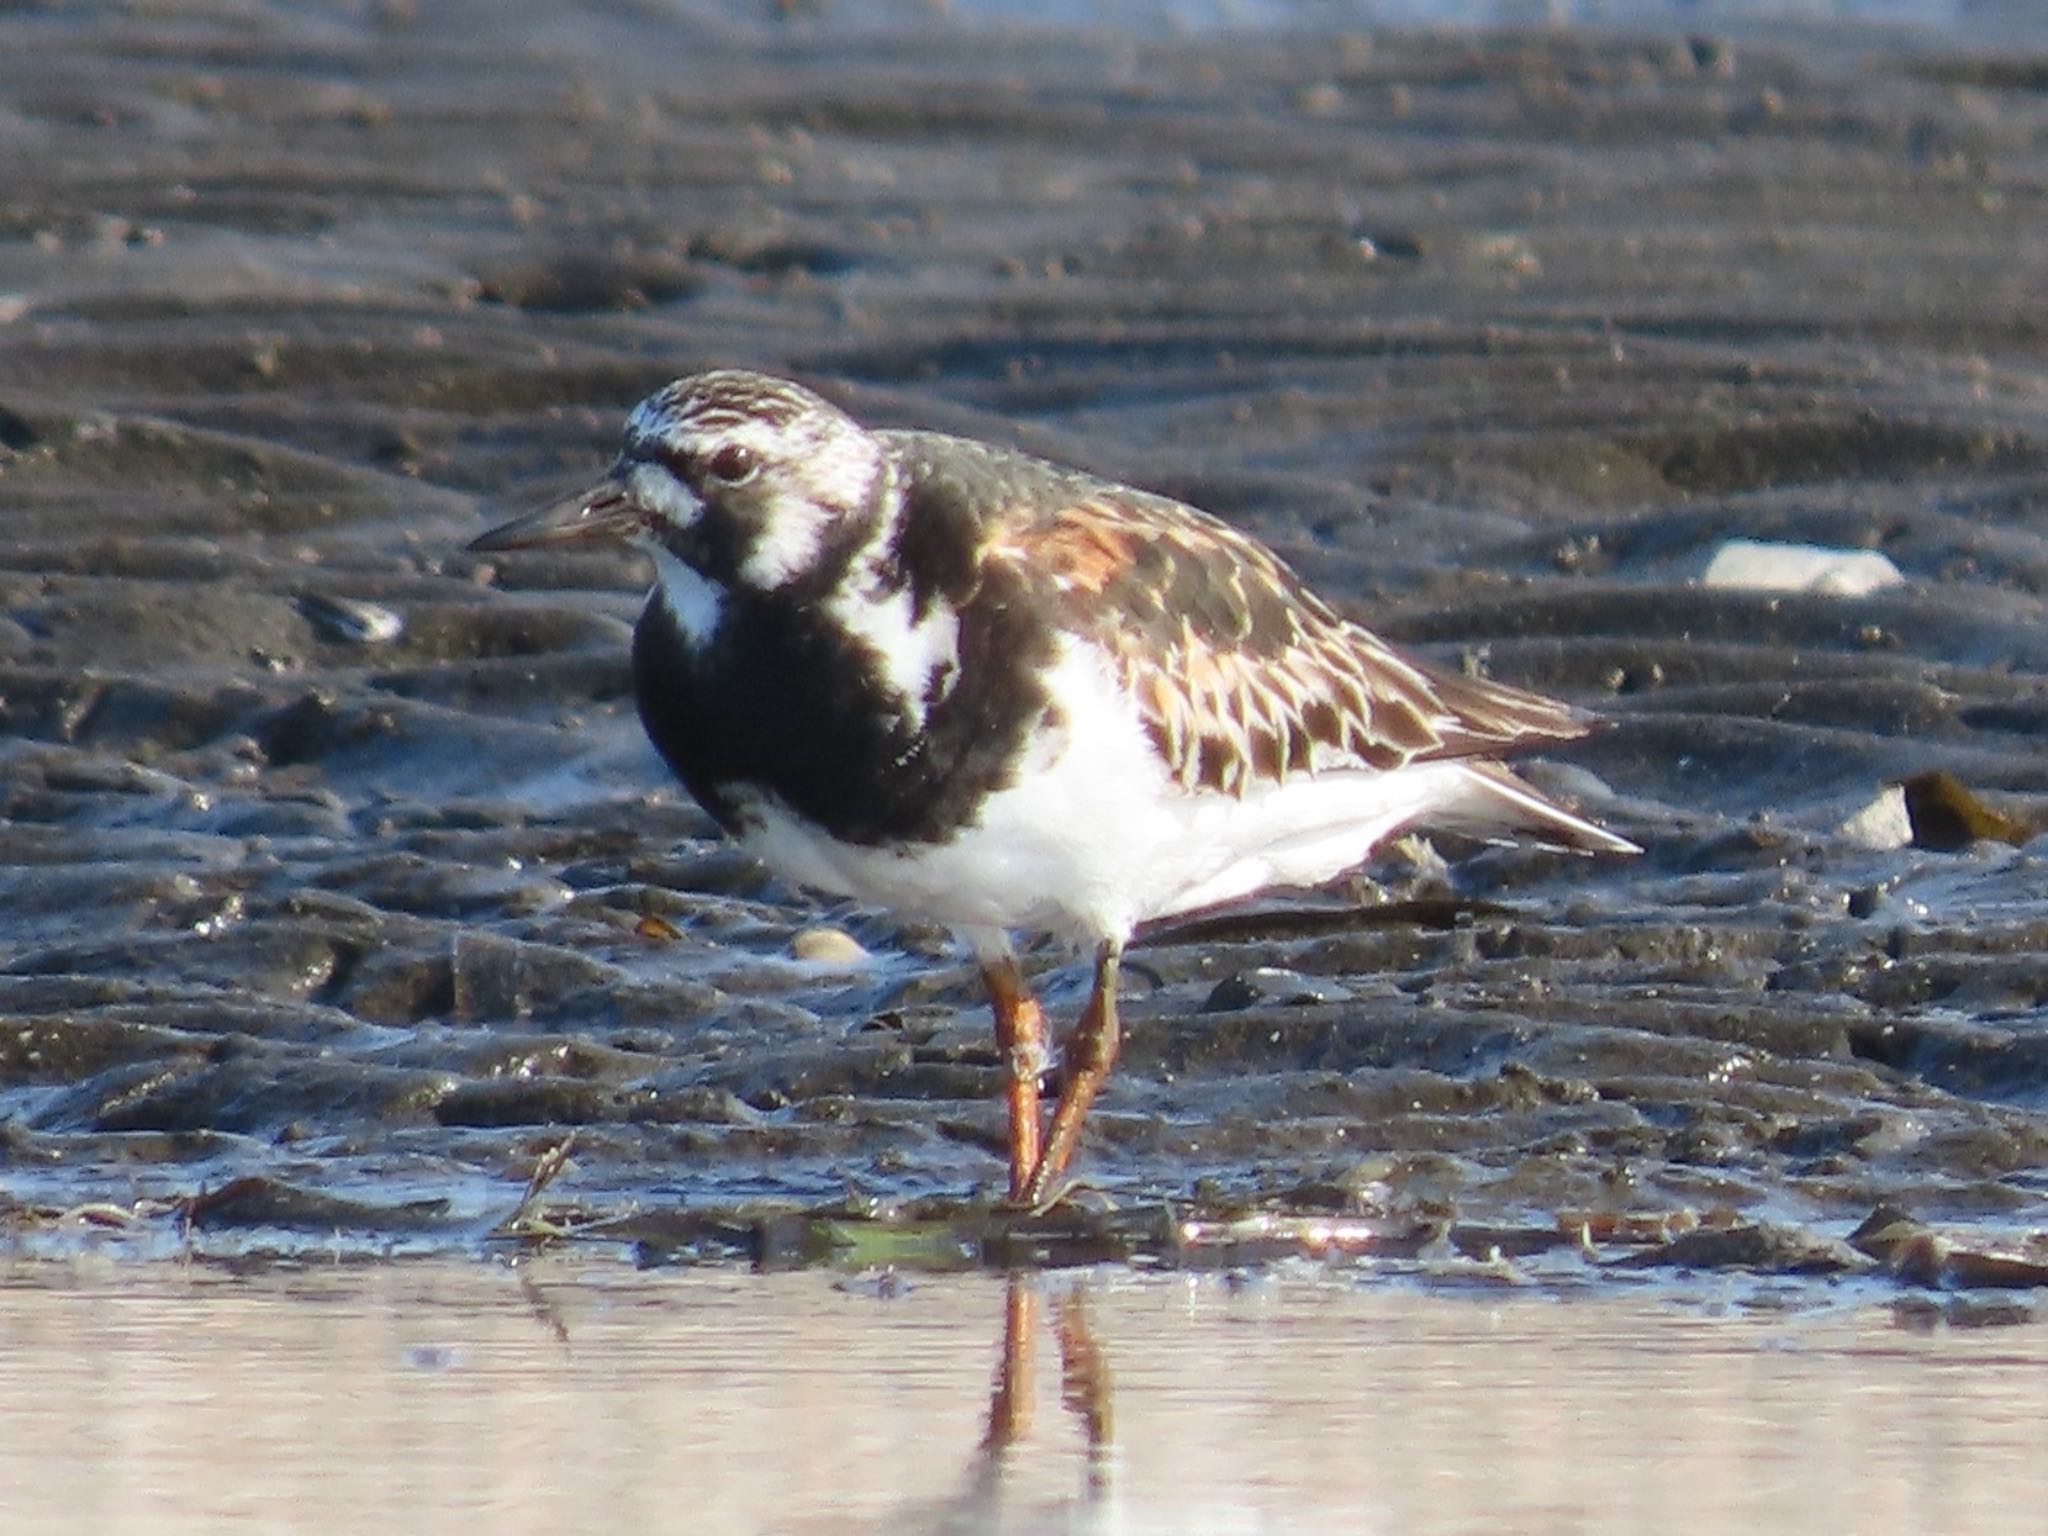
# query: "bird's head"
x,y
747,480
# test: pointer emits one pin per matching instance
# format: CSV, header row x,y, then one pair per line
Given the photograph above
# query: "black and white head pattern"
x,y
747,480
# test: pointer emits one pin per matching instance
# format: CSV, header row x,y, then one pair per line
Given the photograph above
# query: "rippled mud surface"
x,y
338,886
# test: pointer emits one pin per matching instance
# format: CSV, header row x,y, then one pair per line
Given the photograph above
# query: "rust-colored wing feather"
x,y
1242,674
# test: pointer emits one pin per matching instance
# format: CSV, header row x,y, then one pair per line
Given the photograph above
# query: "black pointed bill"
x,y
605,514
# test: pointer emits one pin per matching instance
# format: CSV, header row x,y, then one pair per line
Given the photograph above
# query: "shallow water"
x,y
445,1397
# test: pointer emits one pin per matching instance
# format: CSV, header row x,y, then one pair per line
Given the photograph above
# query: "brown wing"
x,y
1242,674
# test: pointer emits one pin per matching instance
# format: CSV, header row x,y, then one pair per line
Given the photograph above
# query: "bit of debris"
x,y
1756,566
1946,817
351,621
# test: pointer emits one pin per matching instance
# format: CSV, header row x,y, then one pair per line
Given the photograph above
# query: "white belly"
x,y
1095,837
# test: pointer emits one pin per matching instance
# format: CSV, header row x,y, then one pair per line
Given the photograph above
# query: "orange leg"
x,y
1090,1053
1085,1387
1020,1037
1009,1403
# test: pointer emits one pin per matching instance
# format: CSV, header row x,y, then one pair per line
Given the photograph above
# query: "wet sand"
x,y
328,852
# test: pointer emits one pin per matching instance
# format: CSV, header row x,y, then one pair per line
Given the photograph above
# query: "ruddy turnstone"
x,y
973,686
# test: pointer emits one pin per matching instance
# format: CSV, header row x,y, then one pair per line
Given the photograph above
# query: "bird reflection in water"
x,y
1085,1392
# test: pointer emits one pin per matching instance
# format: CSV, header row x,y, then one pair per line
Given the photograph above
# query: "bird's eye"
x,y
733,463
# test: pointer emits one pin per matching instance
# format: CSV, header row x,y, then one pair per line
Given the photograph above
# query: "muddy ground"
x,y
337,883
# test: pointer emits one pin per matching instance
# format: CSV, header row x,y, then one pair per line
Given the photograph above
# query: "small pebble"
x,y
1272,986
350,620
828,946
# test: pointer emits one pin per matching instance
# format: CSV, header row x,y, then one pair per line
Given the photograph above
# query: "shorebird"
x,y
973,686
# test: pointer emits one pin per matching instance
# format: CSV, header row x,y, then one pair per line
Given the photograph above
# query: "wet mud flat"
x,y
338,887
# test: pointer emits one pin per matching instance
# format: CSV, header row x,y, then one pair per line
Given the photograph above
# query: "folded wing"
x,y
1244,676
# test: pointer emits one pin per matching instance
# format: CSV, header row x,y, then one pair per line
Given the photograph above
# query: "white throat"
x,y
696,605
